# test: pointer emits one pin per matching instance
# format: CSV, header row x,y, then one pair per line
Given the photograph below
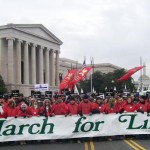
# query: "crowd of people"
x,y
71,105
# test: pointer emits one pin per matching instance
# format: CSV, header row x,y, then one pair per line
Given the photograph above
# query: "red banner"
x,y
129,73
81,74
65,82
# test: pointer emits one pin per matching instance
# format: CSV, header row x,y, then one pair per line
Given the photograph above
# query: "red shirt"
x,y
11,112
96,106
118,107
22,113
59,108
129,107
45,112
33,111
107,108
84,107
142,106
73,108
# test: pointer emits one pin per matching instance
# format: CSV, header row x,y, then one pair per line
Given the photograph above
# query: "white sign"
x,y
41,87
60,127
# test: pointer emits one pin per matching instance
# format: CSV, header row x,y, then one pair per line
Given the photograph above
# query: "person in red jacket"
x,y
73,108
23,111
45,110
59,108
142,105
33,108
108,106
85,106
11,109
97,106
129,106
118,106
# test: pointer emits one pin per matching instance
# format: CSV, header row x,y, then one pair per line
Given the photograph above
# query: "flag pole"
x,y
92,75
141,75
76,67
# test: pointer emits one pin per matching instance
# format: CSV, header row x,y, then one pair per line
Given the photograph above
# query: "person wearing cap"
x,y
142,105
85,106
59,108
45,110
73,108
23,111
97,106
11,109
33,108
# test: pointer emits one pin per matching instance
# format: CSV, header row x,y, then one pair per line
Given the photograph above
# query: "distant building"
x,y
144,80
105,67
68,64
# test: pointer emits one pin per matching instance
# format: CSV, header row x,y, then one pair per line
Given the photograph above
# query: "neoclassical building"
x,y
29,55
67,64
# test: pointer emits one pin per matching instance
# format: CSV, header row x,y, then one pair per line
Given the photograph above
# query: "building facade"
x,y
144,80
68,64
29,55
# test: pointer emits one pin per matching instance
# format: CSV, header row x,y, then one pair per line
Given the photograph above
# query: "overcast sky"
x,y
110,31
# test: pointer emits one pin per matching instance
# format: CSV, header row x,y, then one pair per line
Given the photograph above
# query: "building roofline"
x,y
19,26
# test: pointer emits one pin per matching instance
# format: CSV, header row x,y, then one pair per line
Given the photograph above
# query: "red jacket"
x,y
33,111
142,106
118,106
59,109
108,109
96,106
45,112
22,113
73,109
129,107
11,112
85,108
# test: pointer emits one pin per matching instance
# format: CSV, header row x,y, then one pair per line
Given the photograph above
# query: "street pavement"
x,y
88,145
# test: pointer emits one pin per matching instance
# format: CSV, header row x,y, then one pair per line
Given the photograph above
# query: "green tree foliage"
x,y
109,80
2,85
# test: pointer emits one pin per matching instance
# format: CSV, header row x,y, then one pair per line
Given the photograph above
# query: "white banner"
x,y
41,87
60,127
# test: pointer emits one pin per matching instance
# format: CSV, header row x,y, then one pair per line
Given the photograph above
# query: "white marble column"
x,y
10,60
33,64
18,61
41,73
52,70
47,66
57,68
26,63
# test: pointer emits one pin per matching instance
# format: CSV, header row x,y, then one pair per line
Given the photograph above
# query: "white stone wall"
x,y
29,35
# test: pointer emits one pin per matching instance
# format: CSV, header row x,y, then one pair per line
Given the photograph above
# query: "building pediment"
x,y
36,30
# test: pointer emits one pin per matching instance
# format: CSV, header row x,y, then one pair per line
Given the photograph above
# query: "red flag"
x,y
129,73
65,82
81,74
